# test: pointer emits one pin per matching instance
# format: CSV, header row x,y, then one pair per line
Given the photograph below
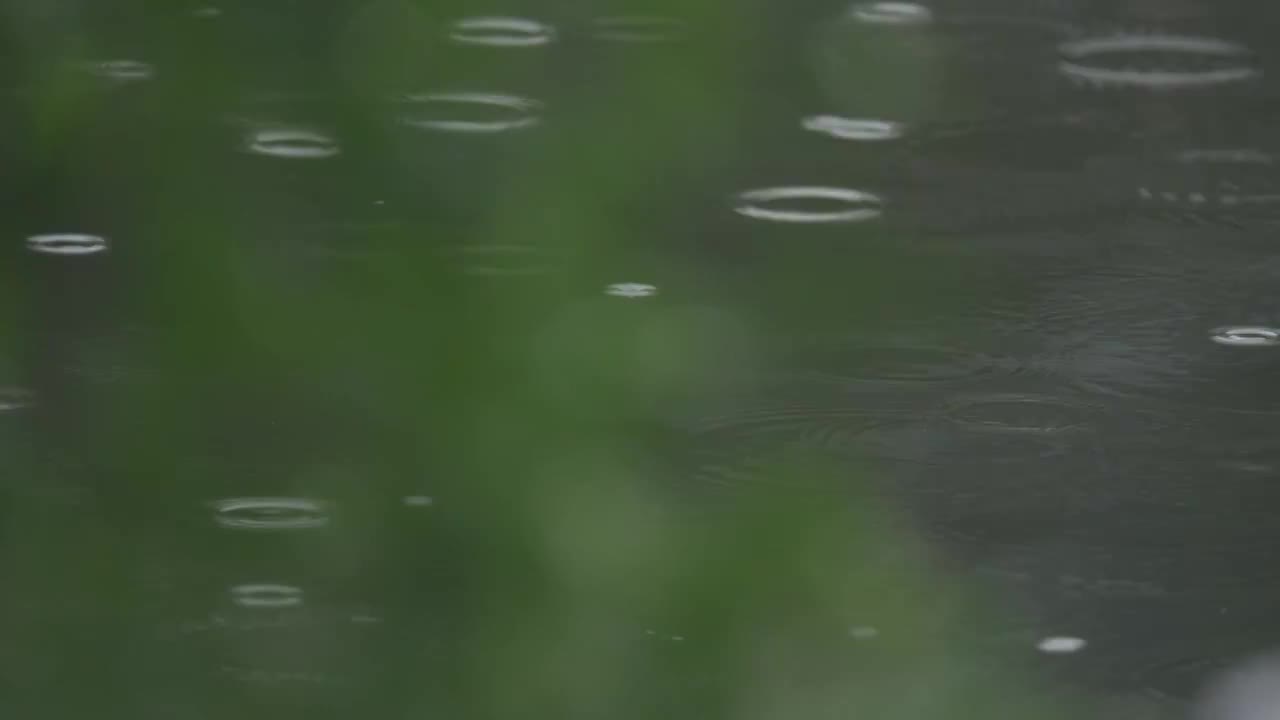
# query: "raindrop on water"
x,y
419,500
847,205
863,632
631,290
845,128
1240,336
67,244
501,32
292,143
1216,61
122,70
1061,645
13,398
270,513
266,596
891,13
476,113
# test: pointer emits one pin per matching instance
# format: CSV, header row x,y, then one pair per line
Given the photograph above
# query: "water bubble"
x,y
122,70
419,501
501,32
292,143
1240,336
637,28
67,244
850,205
476,113
1061,645
266,596
844,128
1201,61
270,513
14,398
891,13
631,290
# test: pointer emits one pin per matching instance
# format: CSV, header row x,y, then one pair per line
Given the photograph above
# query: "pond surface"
x,y
276,276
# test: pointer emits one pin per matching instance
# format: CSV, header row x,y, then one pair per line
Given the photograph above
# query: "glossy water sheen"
x,y
369,359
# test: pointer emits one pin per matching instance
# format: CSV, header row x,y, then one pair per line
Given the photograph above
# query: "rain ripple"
x,y
67,244
469,112
809,204
270,513
1197,61
501,32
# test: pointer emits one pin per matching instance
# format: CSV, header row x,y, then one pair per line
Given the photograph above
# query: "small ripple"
x,y
501,32
1199,61
1019,413
292,143
67,244
122,70
631,290
1061,645
637,28
266,595
860,129
1242,336
891,13
270,513
469,112
15,398
786,204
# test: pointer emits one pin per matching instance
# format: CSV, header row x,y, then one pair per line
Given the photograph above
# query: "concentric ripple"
x,y
292,143
1154,61
859,129
1019,413
469,112
1246,336
266,595
67,244
511,32
809,205
270,513
891,13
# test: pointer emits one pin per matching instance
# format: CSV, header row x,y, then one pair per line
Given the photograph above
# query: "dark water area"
x,y
303,302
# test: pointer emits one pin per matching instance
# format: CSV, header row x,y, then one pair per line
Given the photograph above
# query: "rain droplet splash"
x,y
122,70
292,143
843,128
631,290
270,513
1240,336
1061,645
473,113
891,13
785,204
67,244
266,596
501,32
1202,61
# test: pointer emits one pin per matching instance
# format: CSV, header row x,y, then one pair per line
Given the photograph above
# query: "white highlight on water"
x,y
426,112
631,290
1246,336
861,129
67,244
501,32
1061,645
266,595
270,513
1077,55
891,13
852,205
292,143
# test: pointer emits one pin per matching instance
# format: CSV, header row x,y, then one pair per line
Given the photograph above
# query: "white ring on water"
x,y
1246,336
298,513
891,13
67,244
524,112
502,32
1079,50
266,595
292,143
631,290
753,204
123,70
845,128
